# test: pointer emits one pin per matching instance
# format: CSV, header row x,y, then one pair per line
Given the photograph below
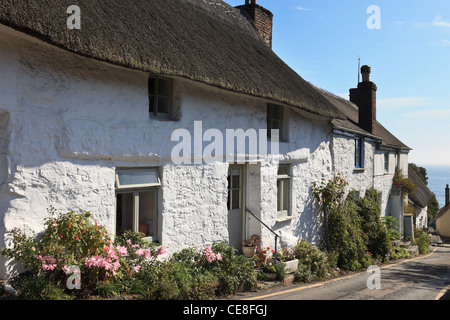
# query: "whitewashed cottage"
x,y
125,109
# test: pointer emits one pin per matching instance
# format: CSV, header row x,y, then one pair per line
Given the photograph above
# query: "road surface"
x,y
426,277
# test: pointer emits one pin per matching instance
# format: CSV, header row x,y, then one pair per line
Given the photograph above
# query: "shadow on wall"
x,y
309,226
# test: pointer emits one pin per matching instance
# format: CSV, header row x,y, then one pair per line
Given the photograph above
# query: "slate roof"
x,y
350,123
202,40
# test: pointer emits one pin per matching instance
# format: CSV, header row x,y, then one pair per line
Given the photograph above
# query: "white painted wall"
x,y
68,122
421,216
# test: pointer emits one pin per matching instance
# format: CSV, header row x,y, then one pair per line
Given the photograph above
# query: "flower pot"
x,y
248,252
261,258
289,266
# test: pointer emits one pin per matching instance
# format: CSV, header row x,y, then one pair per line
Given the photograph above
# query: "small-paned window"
x,y
283,191
159,97
276,121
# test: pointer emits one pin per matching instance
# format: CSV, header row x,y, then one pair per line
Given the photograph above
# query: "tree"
x,y
421,172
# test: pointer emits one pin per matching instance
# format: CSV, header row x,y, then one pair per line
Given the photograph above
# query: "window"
x,y
386,162
234,188
275,121
359,152
283,191
159,97
137,201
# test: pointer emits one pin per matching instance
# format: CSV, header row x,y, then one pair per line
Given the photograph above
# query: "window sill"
x,y
284,219
160,117
356,170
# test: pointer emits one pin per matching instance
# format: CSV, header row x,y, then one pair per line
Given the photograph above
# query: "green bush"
x,y
378,242
267,269
422,240
392,228
31,286
351,227
314,264
234,272
399,253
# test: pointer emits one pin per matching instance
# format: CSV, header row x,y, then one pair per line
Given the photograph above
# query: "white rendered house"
x,y
132,121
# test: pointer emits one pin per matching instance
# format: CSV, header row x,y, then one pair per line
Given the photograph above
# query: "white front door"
x,y
236,205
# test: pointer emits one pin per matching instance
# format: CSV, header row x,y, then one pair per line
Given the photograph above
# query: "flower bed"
x,y
75,258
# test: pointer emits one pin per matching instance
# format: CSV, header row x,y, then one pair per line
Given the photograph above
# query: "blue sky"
x,y
409,56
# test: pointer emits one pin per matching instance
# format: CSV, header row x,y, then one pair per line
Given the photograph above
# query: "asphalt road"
x,y
426,277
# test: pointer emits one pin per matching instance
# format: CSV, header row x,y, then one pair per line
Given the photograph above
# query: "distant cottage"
x,y
443,216
87,122
419,200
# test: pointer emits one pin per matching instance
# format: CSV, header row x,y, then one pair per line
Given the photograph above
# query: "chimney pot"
x,y
447,196
365,71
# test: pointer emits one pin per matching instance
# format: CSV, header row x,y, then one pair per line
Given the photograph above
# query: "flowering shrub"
x,y
285,255
67,240
129,265
253,241
210,256
108,263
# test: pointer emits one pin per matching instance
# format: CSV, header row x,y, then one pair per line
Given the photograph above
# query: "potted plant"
x,y
270,271
286,258
250,245
262,255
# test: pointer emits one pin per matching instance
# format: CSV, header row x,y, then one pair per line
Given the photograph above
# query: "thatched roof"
x,y
422,195
202,40
351,123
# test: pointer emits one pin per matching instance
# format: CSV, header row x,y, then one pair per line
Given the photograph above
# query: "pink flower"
x,y
210,256
121,250
147,254
136,269
162,250
140,252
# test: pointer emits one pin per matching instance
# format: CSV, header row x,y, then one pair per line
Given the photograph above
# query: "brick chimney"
x,y
447,196
365,97
261,17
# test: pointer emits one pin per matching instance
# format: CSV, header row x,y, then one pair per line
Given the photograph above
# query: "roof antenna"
x,y
359,66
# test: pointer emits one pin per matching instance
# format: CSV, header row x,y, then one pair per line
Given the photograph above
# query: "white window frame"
x,y
281,193
135,190
141,185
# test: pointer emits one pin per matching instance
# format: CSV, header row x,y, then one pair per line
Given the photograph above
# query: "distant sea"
x,y
438,178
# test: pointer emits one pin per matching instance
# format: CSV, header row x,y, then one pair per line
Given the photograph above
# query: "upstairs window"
x,y
276,116
160,97
359,152
386,162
